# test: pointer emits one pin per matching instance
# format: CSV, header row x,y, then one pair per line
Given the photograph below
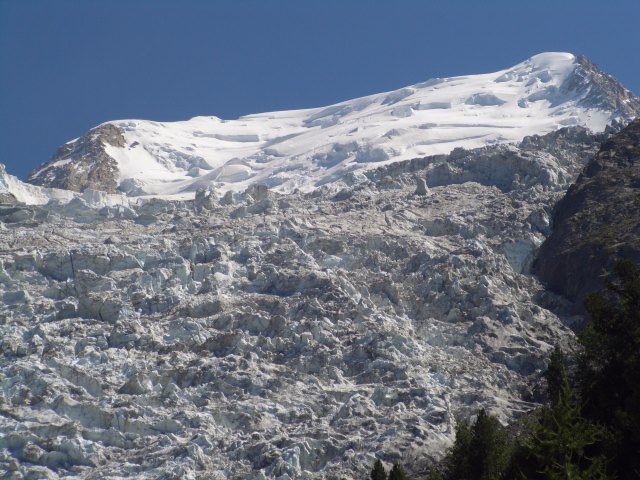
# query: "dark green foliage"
x,y
560,442
397,472
480,451
523,464
434,474
489,452
378,472
457,460
555,375
609,367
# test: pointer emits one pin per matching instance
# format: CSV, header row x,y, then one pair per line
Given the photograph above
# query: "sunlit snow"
x,y
307,148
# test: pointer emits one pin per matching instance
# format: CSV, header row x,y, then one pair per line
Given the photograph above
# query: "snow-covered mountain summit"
x,y
307,148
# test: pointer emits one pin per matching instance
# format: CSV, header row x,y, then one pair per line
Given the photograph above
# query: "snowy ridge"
x,y
13,190
305,149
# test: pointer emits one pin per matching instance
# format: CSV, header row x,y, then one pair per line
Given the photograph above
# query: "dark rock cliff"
x,y
597,221
83,163
597,89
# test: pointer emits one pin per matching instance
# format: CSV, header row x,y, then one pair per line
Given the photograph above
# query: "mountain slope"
x,y
596,221
307,148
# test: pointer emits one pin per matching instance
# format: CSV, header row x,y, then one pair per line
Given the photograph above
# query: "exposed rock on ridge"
x,y
83,163
601,90
596,221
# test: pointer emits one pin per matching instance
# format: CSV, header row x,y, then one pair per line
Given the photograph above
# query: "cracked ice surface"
x,y
262,335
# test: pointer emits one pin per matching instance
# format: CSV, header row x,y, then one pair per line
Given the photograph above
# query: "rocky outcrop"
x,y
599,90
596,222
83,163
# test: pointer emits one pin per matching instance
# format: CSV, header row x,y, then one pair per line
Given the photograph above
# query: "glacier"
x,y
262,334
304,149
292,294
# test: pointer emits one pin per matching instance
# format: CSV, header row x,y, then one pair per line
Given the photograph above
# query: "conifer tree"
x,y
555,374
480,451
457,460
398,473
609,366
489,454
434,474
378,472
558,448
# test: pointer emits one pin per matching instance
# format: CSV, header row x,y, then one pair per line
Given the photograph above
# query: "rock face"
x,y
596,221
84,163
260,335
599,90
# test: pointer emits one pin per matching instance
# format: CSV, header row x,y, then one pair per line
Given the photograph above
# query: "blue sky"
x,y
66,66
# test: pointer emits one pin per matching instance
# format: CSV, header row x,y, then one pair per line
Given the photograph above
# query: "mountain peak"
x,y
308,148
602,91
